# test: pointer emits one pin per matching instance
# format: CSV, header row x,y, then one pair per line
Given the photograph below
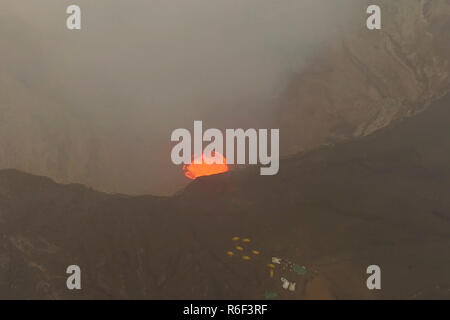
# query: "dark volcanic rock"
x,y
382,199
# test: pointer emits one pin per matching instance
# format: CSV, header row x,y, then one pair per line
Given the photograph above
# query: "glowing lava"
x,y
193,171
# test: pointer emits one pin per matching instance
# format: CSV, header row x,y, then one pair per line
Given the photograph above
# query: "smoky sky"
x,y
97,106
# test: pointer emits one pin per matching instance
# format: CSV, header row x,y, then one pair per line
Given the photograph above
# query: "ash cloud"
x,y
97,106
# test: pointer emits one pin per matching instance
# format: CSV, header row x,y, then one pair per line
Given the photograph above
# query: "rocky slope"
x,y
371,77
380,199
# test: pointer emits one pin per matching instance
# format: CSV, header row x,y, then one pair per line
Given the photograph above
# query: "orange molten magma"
x,y
193,171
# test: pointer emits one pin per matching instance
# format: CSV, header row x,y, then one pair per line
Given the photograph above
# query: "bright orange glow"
x,y
193,171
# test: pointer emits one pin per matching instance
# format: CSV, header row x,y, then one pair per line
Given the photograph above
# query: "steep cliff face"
x,y
370,78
